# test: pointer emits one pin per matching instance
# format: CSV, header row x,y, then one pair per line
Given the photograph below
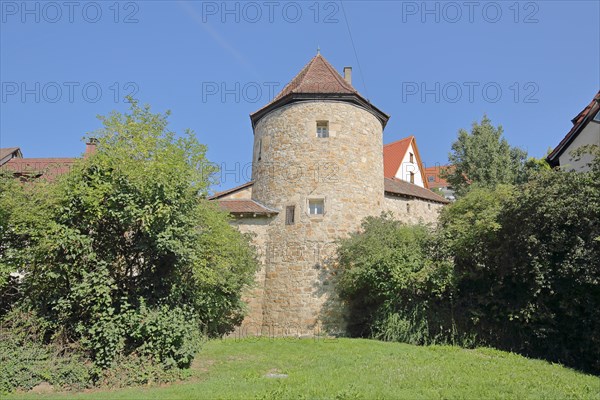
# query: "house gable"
x,y
585,130
9,153
401,159
243,191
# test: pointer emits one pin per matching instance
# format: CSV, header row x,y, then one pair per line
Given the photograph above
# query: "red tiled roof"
x,y
218,195
245,206
393,154
318,76
438,181
318,79
406,189
49,168
579,122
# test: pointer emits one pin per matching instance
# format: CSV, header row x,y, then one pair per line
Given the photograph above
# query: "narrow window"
x,y
289,215
412,157
322,129
412,177
408,207
316,207
259,149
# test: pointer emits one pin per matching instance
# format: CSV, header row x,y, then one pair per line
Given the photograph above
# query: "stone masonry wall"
x,y
254,296
412,211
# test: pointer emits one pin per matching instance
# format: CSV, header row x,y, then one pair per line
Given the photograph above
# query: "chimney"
x,y
90,147
348,75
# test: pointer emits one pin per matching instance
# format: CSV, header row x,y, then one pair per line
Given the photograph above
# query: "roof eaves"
x,y
294,97
397,190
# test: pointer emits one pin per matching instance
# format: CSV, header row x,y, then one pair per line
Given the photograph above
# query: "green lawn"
x,y
353,368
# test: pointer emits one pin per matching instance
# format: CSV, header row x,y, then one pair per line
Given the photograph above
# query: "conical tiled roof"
x,y
318,80
318,76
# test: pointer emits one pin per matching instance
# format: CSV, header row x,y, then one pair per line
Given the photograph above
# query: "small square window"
x,y
322,129
431,178
316,207
289,215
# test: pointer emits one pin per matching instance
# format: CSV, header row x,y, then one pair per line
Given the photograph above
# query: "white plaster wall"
x,y
589,135
406,167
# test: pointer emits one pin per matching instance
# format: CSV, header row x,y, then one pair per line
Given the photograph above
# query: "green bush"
x,y
406,327
527,266
170,336
391,277
514,267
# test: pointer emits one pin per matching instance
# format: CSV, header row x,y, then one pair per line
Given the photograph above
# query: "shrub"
x,y
527,266
406,327
390,279
514,267
170,336
550,241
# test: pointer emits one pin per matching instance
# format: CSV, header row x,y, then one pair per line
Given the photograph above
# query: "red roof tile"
x,y
406,189
579,122
245,206
438,181
318,79
318,76
49,168
393,154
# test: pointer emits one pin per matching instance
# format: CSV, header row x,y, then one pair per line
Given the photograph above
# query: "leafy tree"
x,y
470,223
483,157
131,257
23,220
535,165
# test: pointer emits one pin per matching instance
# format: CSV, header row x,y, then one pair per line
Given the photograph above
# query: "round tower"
x,y
318,160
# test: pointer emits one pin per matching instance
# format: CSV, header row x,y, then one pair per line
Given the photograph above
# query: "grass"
x,y
355,369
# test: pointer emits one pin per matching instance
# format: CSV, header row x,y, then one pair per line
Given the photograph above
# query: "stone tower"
x,y
318,161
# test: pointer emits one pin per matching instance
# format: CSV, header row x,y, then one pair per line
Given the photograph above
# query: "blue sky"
x,y
435,67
